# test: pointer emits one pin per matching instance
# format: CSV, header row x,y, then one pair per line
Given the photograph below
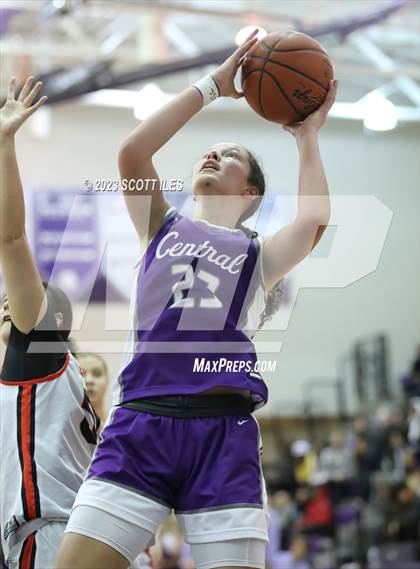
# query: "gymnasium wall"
x,y
84,142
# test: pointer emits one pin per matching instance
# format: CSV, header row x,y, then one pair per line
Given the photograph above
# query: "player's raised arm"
x,y
288,246
136,152
23,285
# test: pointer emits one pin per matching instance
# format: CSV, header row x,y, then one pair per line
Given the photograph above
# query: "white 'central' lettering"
x,y
203,250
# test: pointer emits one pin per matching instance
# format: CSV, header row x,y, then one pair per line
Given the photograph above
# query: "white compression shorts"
x,y
129,539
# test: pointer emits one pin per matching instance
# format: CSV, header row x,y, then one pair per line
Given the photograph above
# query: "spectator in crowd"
x,y
397,419
335,462
381,426
377,512
275,536
305,461
295,558
404,522
283,514
360,428
169,550
413,434
412,470
363,468
95,372
411,382
315,504
392,464
284,467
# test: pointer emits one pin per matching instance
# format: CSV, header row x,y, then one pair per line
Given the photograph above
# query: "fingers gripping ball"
x,y
286,76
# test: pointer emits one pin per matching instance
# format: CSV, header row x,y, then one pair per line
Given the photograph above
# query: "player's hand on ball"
x,y
315,120
225,74
16,110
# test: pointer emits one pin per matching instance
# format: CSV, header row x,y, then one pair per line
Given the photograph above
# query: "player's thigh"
x,y
115,516
106,539
81,552
246,553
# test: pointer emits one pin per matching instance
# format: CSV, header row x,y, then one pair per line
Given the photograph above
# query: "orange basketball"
x,y
286,76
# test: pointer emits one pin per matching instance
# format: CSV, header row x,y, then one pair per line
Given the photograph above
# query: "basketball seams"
x,y
294,49
260,89
280,88
274,78
282,37
267,60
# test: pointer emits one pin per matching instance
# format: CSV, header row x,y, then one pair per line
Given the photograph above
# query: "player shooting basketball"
x,y
177,439
47,425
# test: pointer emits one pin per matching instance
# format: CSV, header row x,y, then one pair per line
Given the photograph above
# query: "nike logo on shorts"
x,y
242,422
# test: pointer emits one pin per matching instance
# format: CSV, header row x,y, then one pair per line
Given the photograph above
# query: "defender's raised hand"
x,y
15,111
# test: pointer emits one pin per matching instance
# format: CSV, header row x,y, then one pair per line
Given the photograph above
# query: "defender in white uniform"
x,y
47,436
47,424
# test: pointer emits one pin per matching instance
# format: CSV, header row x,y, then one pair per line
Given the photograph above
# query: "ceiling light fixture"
x,y
379,113
245,32
149,100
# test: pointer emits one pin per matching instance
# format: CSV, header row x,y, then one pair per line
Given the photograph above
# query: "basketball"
x,y
285,76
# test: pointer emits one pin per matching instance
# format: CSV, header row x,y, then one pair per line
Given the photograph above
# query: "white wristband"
x,y
208,89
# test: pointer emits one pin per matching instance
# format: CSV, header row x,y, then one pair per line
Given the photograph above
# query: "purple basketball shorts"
x,y
206,469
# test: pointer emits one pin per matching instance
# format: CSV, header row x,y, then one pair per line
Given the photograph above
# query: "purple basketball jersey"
x,y
197,301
